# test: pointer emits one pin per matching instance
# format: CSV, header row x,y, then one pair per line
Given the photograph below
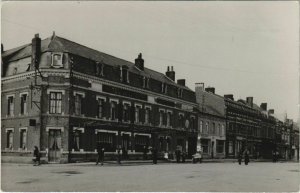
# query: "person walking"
x,y
119,156
145,151
240,157
36,154
154,155
274,156
100,151
177,154
246,157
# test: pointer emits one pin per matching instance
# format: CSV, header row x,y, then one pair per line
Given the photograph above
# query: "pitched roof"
x,y
59,44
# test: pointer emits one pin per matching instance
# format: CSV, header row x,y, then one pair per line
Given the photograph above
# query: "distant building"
x,y
211,122
65,98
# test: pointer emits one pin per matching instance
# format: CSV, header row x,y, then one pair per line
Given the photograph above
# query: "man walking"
x,y
100,152
246,156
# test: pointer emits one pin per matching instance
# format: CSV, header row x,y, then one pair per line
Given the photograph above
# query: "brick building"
x,y
211,122
65,97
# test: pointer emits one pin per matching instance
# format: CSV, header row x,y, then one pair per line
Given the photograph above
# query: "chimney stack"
x,y
250,101
181,82
264,106
35,51
199,86
229,96
170,73
139,62
210,89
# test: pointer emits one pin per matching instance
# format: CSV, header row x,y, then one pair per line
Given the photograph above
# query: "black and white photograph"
x,y
150,96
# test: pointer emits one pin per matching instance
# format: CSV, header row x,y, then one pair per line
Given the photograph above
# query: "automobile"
x,y
197,157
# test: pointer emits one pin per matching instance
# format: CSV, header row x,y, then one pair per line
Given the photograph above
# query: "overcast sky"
x,y
240,48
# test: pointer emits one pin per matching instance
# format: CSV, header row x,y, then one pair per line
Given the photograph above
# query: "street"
x,y
213,177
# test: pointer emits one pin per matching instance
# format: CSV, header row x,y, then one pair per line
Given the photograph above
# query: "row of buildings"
x,y
65,98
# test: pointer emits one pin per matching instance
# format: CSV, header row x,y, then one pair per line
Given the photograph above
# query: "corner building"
x,y
65,97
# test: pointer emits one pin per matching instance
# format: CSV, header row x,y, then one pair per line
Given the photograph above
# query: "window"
x,y
124,74
219,130
213,128
147,115
220,146
169,119
179,93
100,107
140,142
99,69
126,111
137,114
23,139
223,130
193,126
204,144
10,139
78,101
230,147
55,102
23,104
10,102
113,110
201,127
181,121
145,82
57,59
164,87
77,140
107,140
161,117
206,128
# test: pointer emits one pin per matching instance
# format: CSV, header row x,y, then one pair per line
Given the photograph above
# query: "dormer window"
x,y
164,87
145,82
124,74
57,60
99,69
179,93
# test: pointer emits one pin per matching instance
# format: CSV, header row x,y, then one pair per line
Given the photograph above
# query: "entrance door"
x,y
126,142
54,145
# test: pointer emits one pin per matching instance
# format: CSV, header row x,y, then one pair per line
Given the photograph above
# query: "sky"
x,y
240,48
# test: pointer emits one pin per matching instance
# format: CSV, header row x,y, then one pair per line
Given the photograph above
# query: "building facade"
x,y
211,122
65,98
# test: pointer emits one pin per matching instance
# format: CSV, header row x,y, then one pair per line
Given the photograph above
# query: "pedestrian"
x,y
119,156
36,154
154,155
145,151
240,156
124,153
183,156
177,154
100,151
246,157
274,156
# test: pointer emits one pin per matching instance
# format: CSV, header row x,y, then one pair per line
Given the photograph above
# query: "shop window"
x,y
140,142
55,102
230,147
108,141
204,144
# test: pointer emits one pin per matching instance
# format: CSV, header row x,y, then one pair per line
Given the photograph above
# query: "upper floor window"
x,y
55,102
161,117
113,110
78,102
179,92
169,119
100,107
99,69
57,60
213,131
200,127
126,112
124,74
206,127
164,87
181,121
145,82
23,104
10,106
137,113
193,126
147,115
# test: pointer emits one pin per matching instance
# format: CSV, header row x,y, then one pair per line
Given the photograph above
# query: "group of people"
x,y
180,156
275,155
246,157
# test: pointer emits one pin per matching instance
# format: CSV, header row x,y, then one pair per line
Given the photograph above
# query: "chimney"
x,y
199,89
271,111
264,106
139,62
171,73
35,51
210,89
229,96
250,101
199,86
181,82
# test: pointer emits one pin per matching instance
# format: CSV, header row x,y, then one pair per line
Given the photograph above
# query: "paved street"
x,y
258,176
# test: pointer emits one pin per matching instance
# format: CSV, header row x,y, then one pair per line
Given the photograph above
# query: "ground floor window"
x,y
220,146
10,139
23,139
204,144
140,142
108,141
77,141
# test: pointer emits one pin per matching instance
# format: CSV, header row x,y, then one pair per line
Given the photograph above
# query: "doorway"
x,y
54,145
